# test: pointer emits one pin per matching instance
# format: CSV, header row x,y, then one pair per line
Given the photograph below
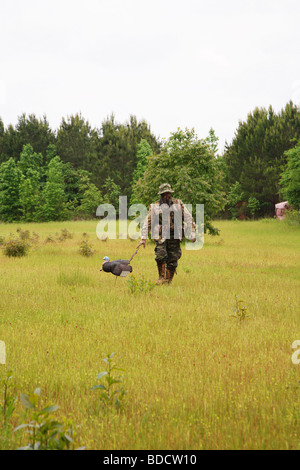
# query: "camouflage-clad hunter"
x,y
168,221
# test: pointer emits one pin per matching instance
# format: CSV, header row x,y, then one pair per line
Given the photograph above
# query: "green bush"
x,y
139,285
65,235
292,217
16,247
50,239
23,234
111,391
86,249
44,431
290,178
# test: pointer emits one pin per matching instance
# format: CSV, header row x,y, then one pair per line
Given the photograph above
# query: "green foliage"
x,y
15,247
10,177
111,193
240,311
189,165
292,217
30,161
72,279
7,407
86,249
77,143
290,178
257,153
137,286
235,196
45,432
60,237
253,205
111,393
212,141
19,245
46,175
42,432
65,235
143,152
31,168
118,146
49,239
109,151
53,198
90,200
31,192
91,160
29,196
28,130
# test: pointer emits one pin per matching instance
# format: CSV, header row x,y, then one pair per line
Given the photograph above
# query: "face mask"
x,y
166,200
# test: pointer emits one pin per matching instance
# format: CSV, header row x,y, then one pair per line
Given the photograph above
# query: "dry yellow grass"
x,y
197,378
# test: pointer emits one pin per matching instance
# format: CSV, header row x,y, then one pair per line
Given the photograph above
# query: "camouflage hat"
x,y
165,188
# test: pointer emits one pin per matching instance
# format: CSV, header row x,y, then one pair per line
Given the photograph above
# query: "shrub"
x,y
253,205
23,234
16,247
86,249
292,217
26,236
111,393
7,407
19,246
139,285
44,431
240,310
50,239
235,198
65,235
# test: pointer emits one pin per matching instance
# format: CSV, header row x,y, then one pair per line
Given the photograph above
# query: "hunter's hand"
x,y
142,242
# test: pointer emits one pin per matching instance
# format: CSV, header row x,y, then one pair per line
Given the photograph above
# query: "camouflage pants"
x,y
169,251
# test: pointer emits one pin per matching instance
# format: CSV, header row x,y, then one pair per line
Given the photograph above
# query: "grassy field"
x,y
196,376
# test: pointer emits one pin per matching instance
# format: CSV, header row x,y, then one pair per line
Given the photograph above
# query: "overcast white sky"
x,y
173,63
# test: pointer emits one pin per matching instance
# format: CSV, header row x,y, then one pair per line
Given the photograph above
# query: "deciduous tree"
x,y
290,178
189,165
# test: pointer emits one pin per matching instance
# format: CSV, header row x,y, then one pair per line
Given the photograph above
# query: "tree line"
x,y
67,173
255,160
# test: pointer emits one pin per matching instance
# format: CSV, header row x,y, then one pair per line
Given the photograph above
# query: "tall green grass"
x,y
197,378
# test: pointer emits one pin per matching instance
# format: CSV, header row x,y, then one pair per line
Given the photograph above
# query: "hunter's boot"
x,y
161,273
170,274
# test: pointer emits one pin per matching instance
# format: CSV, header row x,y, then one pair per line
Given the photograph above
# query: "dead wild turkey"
x,y
119,267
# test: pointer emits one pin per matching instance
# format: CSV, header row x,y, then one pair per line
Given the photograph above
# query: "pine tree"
x,y
257,156
10,177
118,150
77,143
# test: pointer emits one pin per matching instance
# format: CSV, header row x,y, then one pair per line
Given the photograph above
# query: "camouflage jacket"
x,y
164,222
